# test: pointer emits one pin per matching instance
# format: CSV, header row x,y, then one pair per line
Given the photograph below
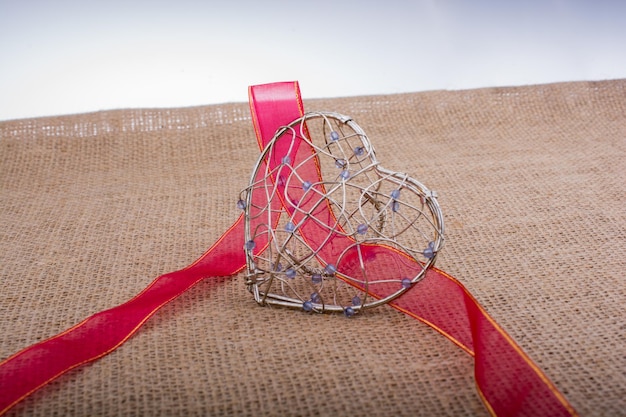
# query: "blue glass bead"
x,y
241,205
348,311
290,273
429,252
330,269
334,135
307,306
281,181
359,151
290,227
306,185
395,194
250,245
406,283
286,160
345,174
315,297
340,163
316,278
356,300
395,206
362,228
277,267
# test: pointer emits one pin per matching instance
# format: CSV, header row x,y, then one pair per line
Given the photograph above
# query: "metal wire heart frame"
x,y
327,228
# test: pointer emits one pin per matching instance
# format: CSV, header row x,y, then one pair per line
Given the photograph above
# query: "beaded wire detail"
x,y
327,229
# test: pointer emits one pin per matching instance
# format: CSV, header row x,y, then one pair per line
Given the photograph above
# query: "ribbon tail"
x,y
32,368
507,380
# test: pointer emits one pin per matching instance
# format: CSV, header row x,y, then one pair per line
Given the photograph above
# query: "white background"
x,y
73,56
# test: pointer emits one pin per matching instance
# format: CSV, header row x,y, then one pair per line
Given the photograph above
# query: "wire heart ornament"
x,y
327,228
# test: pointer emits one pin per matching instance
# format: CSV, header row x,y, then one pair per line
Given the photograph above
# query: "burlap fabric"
x,y
532,181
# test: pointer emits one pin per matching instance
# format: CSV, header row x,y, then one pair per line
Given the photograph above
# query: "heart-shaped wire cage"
x,y
327,228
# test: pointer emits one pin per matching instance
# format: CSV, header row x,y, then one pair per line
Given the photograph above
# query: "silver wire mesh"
x,y
327,228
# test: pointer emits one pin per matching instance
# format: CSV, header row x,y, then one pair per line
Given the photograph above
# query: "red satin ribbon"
x,y
508,382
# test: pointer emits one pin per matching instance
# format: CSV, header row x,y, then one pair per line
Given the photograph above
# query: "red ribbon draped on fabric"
x,y
508,382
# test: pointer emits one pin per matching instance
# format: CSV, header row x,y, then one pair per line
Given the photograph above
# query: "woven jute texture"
x,y
532,181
